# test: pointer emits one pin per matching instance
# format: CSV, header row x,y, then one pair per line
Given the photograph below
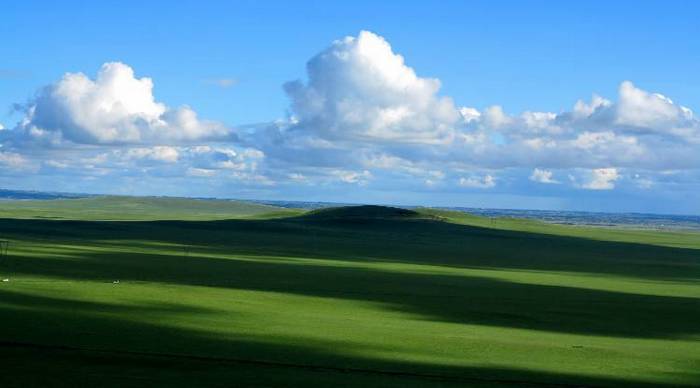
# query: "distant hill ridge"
x,y
363,212
137,208
59,205
8,194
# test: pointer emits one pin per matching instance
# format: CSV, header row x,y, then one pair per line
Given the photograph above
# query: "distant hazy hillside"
x,y
136,208
23,194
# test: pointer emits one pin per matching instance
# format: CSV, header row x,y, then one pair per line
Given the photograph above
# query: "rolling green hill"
x,y
360,296
136,208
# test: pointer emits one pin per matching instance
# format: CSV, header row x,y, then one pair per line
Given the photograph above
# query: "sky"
x,y
505,104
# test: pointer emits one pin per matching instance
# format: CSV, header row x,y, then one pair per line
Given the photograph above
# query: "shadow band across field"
x,y
127,357
125,369
435,297
460,299
457,299
407,239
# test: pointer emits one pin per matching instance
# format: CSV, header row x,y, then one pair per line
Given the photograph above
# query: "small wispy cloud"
x,y
224,83
543,176
474,182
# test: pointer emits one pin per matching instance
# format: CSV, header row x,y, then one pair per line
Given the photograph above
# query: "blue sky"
x,y
229,62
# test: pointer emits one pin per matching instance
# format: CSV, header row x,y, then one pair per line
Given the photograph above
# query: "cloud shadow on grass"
x,y
133,353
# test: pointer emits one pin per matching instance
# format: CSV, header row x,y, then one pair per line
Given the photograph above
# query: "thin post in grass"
x,y
4,247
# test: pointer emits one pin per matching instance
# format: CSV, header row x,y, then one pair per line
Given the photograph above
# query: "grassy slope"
x,y
678,238
366,296
137,208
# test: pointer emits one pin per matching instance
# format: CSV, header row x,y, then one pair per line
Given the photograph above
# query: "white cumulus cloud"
x,y
543,176
642,109
602,179
359,89
116,107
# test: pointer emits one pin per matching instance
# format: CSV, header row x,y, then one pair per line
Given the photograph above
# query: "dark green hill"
x,y
363,212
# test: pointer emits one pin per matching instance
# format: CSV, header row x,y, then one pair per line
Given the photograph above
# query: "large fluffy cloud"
x,y
359,89
116,107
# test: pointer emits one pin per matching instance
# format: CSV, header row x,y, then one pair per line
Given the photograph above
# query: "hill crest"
x,y
363,212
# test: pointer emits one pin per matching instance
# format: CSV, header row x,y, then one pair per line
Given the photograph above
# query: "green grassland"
x,y
233,294
137,208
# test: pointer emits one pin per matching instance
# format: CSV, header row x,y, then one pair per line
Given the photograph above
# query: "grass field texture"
x,y
116,291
